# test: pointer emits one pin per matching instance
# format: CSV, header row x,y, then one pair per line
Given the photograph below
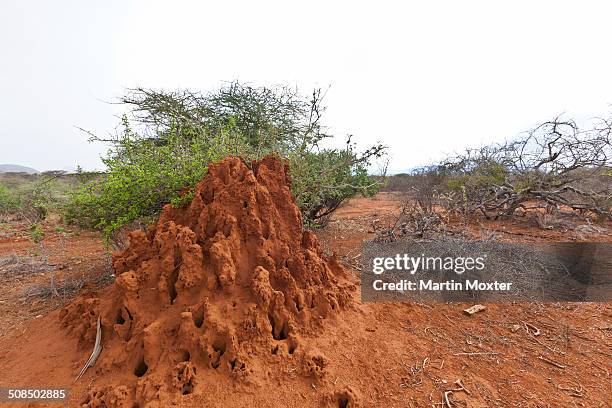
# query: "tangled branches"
x,y
557,164
417,219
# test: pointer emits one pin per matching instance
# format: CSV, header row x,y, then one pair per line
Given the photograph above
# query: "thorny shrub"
x,y
165,146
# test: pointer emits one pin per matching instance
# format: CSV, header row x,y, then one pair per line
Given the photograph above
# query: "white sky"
x,y
426,78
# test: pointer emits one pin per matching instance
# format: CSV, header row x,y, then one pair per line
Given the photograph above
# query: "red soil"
x,y
73,256
360,354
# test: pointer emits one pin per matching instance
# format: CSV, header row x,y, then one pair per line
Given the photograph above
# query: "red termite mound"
x,y
217,285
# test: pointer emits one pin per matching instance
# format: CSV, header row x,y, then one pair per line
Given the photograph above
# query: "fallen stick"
x,y
446,394
95,353
477,353
574,392
536,331
551,362
459,383
549,348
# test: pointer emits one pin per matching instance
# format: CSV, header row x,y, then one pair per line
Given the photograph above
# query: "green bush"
x,y
32,200
478,177
323,180
36,200
36,233
180,133
143,175
8,201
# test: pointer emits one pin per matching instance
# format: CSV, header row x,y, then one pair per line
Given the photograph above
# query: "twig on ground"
x,y
459,383
446,401
481,353
536,332
547,347
574,392
95,353
551,362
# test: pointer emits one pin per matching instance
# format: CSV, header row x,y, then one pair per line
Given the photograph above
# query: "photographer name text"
x,y
430,285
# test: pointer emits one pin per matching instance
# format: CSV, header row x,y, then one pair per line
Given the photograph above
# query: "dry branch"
x,y
96,351
551,362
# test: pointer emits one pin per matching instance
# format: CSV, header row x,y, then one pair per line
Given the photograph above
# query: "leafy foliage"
x,y
325,179
267,119
36,233
33,198
8,202
143,175
180,133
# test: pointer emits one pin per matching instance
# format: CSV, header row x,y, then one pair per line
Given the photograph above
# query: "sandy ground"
x,y
376,354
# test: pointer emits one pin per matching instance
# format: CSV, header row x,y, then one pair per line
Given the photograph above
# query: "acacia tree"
x,y
268,118
170,137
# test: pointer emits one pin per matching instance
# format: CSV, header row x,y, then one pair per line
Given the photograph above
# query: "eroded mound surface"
x,y
218,287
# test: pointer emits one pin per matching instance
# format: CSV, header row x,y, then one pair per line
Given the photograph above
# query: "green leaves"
x,y
323,180
8,201
33,199
36,233
142,176
181,132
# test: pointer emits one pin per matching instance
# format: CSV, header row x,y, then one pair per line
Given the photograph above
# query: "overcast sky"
x,y
426,78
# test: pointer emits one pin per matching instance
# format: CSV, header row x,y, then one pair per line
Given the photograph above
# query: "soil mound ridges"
x,y
217,287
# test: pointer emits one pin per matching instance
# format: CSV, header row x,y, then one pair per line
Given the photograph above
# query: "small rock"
x,y
474,309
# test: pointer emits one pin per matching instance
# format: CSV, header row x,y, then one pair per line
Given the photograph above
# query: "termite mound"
x,y
218,286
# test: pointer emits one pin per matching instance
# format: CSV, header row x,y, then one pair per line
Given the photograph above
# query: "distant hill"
x,y
15,168
410,170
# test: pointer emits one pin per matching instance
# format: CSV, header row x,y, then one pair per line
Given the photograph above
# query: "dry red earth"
x,y
365,354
